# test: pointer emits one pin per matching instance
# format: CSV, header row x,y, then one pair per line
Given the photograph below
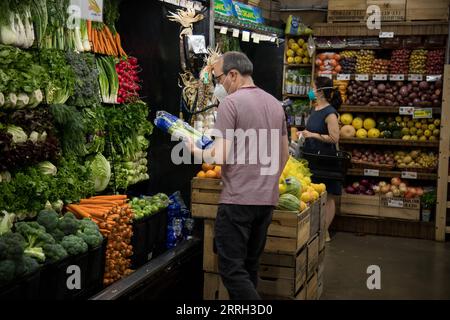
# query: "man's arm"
x,y
217,153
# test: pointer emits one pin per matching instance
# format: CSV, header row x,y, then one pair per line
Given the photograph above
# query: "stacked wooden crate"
x,y
270,8
289,266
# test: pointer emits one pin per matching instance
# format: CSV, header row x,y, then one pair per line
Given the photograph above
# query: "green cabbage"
x,y
18,135
101,172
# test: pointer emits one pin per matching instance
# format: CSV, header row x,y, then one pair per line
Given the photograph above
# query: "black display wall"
x,y
148,35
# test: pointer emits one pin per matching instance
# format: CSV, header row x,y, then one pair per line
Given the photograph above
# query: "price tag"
x,y
406,111
425,113
372,172
397,77
433,78
409,175
255,37
395,203
362,77
384,34
273,39
223,30
245,36
415,77
326,75
379,77
343,76
236,33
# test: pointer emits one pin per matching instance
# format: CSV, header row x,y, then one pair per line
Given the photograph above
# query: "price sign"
x,y
395,203
397,77
255,37
327,75
433,78
379,77
415,77
245,36
343,76
426,113
406,111
372,172
362,77
223,30
409,175
236,33
384,34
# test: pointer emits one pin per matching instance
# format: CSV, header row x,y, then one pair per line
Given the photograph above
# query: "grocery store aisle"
x,y
410,268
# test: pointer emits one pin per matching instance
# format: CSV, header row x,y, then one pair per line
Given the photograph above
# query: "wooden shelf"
x,y
393,174
295,95
358,29
391,142
296,65
379,48
370,77
377,109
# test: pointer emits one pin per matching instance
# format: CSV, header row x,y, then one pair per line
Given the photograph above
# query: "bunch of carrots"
x,y
114,216
104,41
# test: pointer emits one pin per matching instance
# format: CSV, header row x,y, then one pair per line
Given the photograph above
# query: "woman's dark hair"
x,y
330,93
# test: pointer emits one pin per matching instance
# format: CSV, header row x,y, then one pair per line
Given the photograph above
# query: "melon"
x,y
369,123
357,123
347,131
361,133
373,133
346,118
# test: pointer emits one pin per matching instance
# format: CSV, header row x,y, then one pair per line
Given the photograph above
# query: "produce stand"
x,y
371,214
290,263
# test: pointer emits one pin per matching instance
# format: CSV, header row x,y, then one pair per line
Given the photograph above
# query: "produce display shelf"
x,y
393,174
219,21
295,95
350,48
296,65
353,76
390,142
377,109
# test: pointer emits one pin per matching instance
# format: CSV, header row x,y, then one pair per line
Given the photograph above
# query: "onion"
x,y
396,181
350,190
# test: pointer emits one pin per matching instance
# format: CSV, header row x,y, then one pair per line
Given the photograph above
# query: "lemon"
x,y
291,41
315,195
427,133
431,127
298,60
357,123
373,133
301,42
305,197
294,46
290,53
303,206
290,60
346,118
282,188
361,133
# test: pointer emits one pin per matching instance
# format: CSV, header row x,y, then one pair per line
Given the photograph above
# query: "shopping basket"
x,y
328,166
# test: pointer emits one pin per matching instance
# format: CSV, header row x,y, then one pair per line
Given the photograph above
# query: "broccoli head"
x,y
90,233
48,219
26,265
12,246
35,237
57,235
74,245
69,224
54,252
7,271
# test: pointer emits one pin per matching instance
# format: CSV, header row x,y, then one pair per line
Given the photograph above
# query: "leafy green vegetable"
x,y
47,168
101,172
6,222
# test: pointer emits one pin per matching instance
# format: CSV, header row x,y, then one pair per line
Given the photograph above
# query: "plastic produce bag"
x,y
180,129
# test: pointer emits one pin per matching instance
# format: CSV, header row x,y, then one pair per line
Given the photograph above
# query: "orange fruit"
x,y
218,171
207,167
201,174
211,174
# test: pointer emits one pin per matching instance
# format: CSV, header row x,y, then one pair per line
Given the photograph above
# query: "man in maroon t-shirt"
x,y
251,142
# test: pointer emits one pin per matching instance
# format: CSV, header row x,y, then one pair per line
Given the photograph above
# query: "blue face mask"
x,y
312,95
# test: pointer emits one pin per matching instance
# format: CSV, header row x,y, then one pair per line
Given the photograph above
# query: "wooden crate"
x,y
287,234
346,10
322,221
361,205
391,10
213,288
319,285
311,288
427,10
315,218
400,208
282,275
313,256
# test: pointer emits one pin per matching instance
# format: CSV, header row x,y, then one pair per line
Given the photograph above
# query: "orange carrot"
x,y
89,29
101,201
79,210
111,41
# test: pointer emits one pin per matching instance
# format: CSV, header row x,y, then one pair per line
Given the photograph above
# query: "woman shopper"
x,y
322,135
